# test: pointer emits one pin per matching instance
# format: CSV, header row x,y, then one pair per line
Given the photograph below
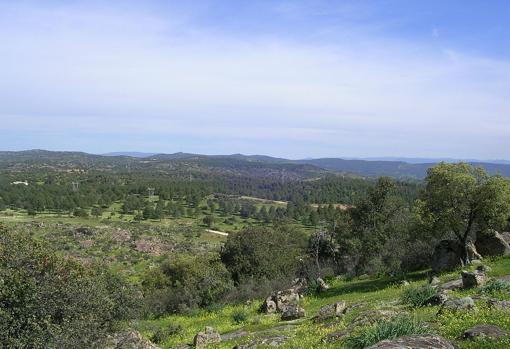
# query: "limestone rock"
x,y
492,243
321,285
419,341
486,331
269,306
286,298
452,285
434,281
496,303
202,339
473,279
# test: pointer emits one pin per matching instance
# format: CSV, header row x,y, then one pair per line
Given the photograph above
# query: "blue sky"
x,y
284,78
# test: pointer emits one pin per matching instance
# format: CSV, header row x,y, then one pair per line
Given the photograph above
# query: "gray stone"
x,y
234,334
485,331
331,311
473,279
496,303
128,340
293,312
321,285
202,339
483,268
491,243
274,341
419,341
336,336
269,306
434,281
447,256
285,298
371,316
452,285
458,304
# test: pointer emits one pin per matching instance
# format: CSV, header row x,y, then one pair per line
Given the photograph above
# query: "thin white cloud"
x,y
98,70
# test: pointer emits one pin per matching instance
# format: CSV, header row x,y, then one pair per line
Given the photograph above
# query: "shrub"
x,y
418,296
162,334
398,327
50,301
495,286
239,316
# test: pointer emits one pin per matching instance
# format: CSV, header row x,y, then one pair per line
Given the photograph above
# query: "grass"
x,y
419,296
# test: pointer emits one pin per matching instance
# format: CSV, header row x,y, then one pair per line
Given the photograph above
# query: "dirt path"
x,y
216,232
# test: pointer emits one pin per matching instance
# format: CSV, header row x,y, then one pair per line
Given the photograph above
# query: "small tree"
x,y
461,200
208,220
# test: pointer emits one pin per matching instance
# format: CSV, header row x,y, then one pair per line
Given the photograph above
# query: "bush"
x,y
418,296
382,330
48,301
495,286
239,317
259,252
162,334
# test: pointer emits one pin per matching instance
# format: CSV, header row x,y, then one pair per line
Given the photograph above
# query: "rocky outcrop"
x,y
473,279
419,341
209,336
448,255
492,243
485,331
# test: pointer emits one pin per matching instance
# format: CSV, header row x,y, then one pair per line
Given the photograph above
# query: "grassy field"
x,y
371,294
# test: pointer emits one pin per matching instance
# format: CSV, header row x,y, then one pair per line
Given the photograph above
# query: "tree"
x,y
208,220
96,211
462,200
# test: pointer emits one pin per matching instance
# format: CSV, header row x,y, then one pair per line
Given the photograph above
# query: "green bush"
x,y
418,296
495,286
48,301
239,317
382,330
162,334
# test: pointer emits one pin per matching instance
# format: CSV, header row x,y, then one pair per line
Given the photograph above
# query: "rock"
x,y
438,299
336,336
404,283
458,304
434,281
486,331
285,298
321,285
492,243
83,231
300,286
293,312
447,256
476,262
269,306
506,236
483,268
496,303
202,339
274,341
331,311
473,279
128,340
418,341
452,285
234,334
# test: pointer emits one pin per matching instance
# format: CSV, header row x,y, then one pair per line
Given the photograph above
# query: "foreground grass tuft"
x,y
382,330
418,296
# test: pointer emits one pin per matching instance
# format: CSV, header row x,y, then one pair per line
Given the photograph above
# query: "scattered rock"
x,y
419,341
438,299
336,336
371,316
300,286
234,334
486,331
458,304
496,303
128,340
293,312
483,268
331,311
273,341
452,285
473,279
202,339
434,281
491,243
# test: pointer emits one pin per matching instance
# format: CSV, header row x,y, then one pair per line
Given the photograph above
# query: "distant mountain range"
x,y
255,165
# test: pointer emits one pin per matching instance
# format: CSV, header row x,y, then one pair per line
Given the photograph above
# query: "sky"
x,y
295,79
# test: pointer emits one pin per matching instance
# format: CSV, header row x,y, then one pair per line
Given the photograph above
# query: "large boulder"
x,y
418,341
492,243
448,255
269,306
485,331
209,336
472,279
285,298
